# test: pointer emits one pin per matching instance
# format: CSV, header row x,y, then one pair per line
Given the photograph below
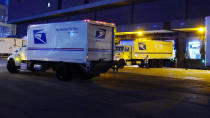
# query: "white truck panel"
x,y
73,42
100,43
65,41
207,50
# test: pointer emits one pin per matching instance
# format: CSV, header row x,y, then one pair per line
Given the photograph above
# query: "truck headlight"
x,y
17,59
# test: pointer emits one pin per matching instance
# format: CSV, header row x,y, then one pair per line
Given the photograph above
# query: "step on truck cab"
x,y
78,47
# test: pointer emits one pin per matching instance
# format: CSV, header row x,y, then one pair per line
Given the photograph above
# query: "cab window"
x,y
127,49
121,48
23,43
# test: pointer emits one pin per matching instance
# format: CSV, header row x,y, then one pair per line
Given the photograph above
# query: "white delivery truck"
x,y
134,52
8,45
84,47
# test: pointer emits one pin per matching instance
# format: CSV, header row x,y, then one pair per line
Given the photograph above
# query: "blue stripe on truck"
x,y
58,49
71,49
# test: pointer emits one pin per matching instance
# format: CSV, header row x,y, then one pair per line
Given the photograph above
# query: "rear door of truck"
x,y
100,42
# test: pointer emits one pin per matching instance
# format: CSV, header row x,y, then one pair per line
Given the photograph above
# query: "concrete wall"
x,y
118,15
26,8
147,12
71,3
158,11
198,8
82,16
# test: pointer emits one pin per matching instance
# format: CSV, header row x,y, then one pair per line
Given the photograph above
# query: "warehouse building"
x,y
180,21
5,29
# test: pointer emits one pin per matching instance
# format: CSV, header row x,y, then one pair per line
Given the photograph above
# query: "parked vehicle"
x,y
83,47
8,45
139,51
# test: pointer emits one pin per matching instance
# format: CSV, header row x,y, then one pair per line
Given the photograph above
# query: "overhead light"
x,y
140,33
48,4
201,29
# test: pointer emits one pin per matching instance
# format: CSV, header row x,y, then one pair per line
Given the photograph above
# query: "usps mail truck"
x,y
84,47
134,52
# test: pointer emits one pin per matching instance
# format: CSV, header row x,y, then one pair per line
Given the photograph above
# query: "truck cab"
x,y
123,52
123,55
18,55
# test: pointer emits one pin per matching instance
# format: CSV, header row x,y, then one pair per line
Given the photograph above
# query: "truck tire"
x,y
121,63
63,72
11,67
141,65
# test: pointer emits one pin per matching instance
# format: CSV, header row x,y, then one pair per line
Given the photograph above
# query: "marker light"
x,y
86,20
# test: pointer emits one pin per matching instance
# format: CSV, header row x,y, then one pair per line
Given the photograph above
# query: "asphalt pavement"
x,y
130,93
3,62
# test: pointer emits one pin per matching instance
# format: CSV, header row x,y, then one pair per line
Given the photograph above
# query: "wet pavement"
x,y
130,93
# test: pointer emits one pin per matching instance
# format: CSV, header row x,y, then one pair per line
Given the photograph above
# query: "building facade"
x,y
164,19
5,29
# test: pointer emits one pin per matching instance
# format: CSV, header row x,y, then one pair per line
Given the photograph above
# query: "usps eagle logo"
x,y
142,46
39,37
101,34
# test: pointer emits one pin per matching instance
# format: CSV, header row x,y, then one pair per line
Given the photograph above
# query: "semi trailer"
x,y
134,52
83,47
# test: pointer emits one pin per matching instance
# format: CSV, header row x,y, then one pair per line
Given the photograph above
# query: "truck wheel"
x,y
11,67
121,63
63,73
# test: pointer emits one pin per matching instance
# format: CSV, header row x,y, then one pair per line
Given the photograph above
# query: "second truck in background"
x,y
134,52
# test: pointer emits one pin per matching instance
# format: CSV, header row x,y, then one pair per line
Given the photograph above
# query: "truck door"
x,y
23,50
127,52
100,42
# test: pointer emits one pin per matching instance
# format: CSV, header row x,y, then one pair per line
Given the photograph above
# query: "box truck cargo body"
x,y
157,52
8,45
86,45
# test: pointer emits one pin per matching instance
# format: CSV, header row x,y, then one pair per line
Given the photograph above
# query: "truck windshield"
x,y
120,48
